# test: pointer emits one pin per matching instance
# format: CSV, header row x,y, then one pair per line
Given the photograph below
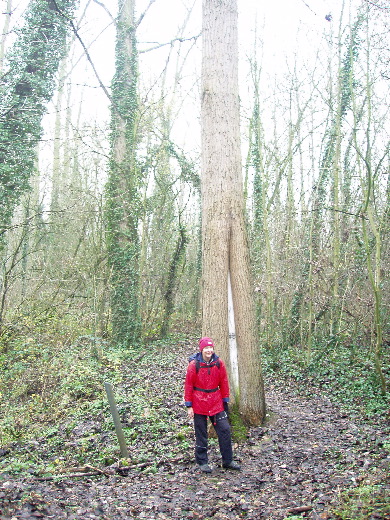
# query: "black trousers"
x,y
222,427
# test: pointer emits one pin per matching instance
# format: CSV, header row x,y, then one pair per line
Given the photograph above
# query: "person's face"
x,y
207,352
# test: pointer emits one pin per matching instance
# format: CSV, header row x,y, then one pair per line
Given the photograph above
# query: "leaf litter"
x,y
296,465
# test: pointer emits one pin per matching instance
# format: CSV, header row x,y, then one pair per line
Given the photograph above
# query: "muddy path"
x,y
296,465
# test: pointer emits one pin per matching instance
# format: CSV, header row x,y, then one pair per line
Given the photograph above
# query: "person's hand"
x,y
190,412
226,407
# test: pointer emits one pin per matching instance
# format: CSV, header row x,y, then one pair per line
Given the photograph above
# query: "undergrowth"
x,y
343,373
368,500
54,413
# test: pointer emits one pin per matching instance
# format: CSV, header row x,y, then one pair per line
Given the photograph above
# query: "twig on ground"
x,y
300,509
85,471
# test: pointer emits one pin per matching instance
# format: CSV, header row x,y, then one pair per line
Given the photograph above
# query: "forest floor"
x,y
300,464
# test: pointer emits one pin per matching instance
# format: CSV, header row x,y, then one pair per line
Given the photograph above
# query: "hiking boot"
x,y
205,468
232,465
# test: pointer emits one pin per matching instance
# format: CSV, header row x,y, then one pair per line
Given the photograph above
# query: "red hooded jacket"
x,y
211,376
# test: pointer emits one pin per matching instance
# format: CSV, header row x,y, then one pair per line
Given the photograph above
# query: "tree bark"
x,y
225,244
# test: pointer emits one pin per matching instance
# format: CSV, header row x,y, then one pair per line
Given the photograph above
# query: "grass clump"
x,y
369,500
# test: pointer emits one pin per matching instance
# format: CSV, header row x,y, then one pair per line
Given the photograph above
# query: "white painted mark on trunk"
x,y
232,338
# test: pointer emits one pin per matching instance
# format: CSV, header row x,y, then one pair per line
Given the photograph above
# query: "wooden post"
x,y
117,421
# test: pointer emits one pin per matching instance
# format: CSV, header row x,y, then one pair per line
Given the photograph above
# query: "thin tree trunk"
x,y
123,206
4,35
372,243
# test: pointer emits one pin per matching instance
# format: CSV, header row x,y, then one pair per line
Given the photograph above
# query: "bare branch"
x,y
90,60
374,3
74,29
308,6
159,45
143,14
105,8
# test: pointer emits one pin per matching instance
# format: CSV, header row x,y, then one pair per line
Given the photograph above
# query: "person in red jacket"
x,y
206,394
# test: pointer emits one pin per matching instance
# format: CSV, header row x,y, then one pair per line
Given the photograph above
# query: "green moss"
x,y
239,430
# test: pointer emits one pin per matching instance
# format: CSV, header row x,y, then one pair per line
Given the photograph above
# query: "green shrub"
x,y
344,373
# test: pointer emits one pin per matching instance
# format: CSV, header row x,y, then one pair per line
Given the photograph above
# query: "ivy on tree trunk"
x,y
26,86
123,199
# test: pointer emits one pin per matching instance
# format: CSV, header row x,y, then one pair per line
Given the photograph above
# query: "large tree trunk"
x,y
225,246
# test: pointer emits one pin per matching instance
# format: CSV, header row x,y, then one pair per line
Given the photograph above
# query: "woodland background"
x,y
316,165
